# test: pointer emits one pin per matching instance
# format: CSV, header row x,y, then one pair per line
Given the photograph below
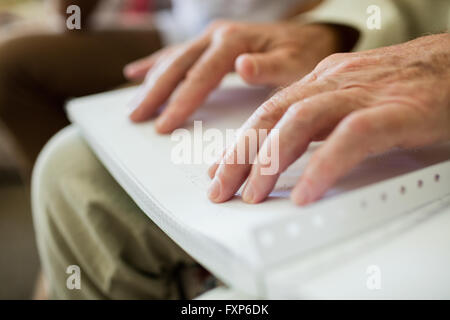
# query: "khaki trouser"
x,y
83,217
39,73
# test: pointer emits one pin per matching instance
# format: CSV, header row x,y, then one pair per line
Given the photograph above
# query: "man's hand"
x,y
364,103
268,54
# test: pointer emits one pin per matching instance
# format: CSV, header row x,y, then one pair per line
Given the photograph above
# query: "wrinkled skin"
x,y
273,54
362,103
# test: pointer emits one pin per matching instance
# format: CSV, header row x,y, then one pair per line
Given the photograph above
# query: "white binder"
x,y
330,249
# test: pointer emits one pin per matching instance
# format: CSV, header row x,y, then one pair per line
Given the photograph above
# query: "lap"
x,y
83,217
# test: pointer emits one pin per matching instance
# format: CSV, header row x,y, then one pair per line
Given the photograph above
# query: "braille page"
x,y
174,195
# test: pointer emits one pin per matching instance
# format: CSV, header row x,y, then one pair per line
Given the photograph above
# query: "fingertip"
x,y
133,114
214,190
129,71
138,113
246,66
161,129
163,125
300,195
134,118
212,170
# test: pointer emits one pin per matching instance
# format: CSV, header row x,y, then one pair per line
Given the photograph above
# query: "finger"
x,y
276,67
162,80
292,135
203,78
230,174
277,99
212,169
360,134
137,70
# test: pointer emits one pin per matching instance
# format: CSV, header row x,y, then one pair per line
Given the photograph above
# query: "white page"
x,y
139,159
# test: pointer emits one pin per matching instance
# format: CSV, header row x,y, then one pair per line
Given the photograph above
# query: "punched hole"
x,y
402,190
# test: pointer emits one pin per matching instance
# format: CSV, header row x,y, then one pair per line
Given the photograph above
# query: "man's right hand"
x,y
361,103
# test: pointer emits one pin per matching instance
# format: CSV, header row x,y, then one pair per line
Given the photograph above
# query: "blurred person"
x,y
43,63
41,70
121,252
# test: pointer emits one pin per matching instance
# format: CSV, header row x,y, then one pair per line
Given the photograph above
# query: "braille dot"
x,y
266,239
293,230
318,221
402,190
420,183
437,177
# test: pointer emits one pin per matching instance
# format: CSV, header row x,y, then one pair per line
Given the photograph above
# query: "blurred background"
x,y
42,64
19,263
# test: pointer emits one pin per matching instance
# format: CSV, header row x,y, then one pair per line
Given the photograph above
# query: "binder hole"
x,y
402,190
420,183
437,177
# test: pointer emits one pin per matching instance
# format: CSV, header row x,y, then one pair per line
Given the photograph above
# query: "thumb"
x,y
275,67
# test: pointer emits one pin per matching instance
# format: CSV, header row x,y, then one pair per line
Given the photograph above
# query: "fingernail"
x,y
134,104
162,121
249,193
131,108
214,189
212,171
300,194
129,70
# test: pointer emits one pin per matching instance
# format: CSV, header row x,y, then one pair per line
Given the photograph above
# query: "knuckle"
x,y
226,31
302,112
216,24
335,57
356,125
313,76
352,63
330,61
274,108
269,111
